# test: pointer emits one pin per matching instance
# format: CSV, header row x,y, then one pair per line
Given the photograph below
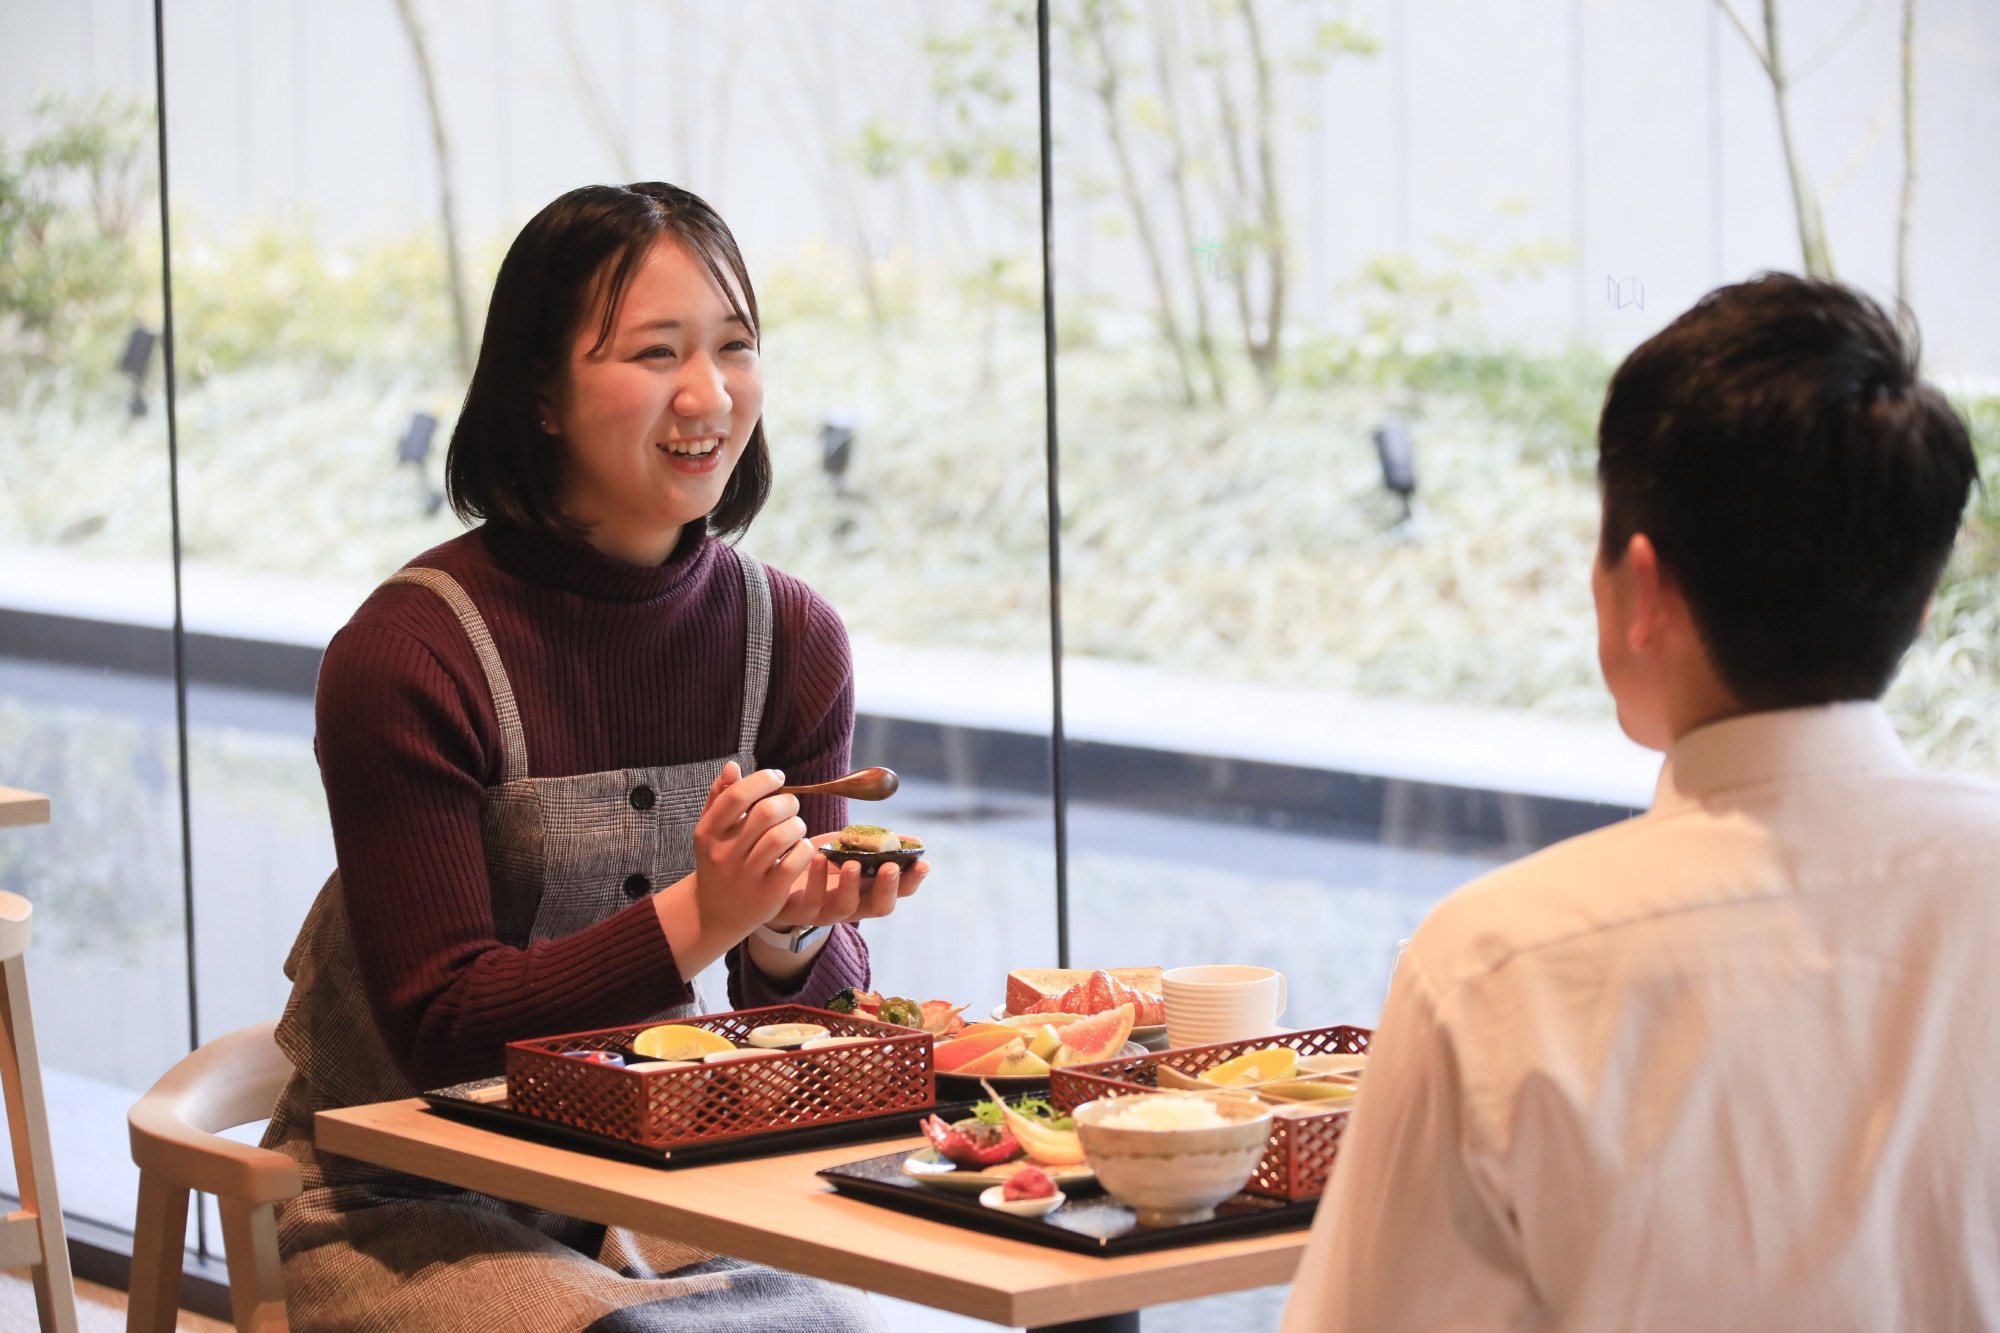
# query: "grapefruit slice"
x,y
1098,1037
952,1057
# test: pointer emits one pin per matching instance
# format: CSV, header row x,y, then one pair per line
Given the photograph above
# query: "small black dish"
x,y
871,861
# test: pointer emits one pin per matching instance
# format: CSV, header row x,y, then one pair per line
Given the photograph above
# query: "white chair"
x,y
233,1080
32,1237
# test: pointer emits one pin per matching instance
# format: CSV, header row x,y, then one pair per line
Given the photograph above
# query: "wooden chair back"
x,y
233,1080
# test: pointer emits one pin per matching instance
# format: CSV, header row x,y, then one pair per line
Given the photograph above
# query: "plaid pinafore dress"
x,y
366,1248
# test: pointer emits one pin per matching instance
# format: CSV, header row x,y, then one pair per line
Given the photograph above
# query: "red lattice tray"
x,y
1299,1157
667,1108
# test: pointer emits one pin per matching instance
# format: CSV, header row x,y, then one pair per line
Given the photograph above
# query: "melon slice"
x,y
1023,1063
1007,1058
951,1057
1098,1037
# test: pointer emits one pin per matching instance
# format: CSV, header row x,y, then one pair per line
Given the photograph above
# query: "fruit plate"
x,y
1016,1085
1088,1223
927,1168
1153,1036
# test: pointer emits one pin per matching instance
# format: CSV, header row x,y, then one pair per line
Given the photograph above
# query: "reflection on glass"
x,y
86,697
1340,287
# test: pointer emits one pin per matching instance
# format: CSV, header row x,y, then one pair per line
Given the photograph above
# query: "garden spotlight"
x,y
836,447
415,449
1397,453
136,361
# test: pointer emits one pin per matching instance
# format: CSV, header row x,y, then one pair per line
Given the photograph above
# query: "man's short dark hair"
x,y
581,249
1800,481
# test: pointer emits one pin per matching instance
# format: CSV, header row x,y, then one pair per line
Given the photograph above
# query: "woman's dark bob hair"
x,y
576,255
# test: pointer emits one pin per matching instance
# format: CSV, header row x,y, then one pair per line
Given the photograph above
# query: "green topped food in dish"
x,y
873,847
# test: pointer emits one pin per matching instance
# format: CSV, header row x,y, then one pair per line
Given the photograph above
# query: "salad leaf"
x,y
1035,1108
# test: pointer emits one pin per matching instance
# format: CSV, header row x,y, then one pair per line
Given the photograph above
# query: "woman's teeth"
x,y
691,448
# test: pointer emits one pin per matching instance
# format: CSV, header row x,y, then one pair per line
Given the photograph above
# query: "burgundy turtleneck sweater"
x,y
613,666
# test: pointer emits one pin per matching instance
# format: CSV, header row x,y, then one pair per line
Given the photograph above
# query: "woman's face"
x,y
653,422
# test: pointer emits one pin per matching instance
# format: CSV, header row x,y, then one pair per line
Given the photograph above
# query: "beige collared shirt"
x,y
1732,1064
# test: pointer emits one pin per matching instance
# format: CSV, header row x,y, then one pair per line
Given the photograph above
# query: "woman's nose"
x,y
701,392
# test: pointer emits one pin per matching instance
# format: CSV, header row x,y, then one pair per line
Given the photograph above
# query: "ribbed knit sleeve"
x,y
402,758
842,962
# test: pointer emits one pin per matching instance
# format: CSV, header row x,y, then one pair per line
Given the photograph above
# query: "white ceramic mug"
x,y
1221,1002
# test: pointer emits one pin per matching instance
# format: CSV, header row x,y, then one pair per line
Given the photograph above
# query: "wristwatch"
x,y
793,939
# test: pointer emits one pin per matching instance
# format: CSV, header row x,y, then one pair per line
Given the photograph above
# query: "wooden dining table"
x,y
774,1210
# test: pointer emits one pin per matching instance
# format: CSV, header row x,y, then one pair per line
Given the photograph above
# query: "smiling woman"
x,y
655,416
535,741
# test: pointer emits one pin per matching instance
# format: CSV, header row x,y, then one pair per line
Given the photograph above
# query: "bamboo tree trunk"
x,y
601,120
447,205
1813,249
1906,201
1166,51
1264,351
1106,88
1239,176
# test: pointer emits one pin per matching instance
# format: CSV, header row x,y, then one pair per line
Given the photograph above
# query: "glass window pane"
x,y
891,225
87,710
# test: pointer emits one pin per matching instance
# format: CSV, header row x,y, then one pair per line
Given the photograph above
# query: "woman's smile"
x,y
696,456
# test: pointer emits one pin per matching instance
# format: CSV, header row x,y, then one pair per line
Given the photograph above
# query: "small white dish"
x,y
780,1036
822,1043
995,1198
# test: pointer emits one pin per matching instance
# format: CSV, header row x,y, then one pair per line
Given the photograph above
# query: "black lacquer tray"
x,y
1089,1222
461,1102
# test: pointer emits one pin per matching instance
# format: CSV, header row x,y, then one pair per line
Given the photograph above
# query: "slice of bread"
x,y
1027,985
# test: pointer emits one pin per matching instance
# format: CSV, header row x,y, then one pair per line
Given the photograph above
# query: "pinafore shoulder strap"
x,y
513,741
756,654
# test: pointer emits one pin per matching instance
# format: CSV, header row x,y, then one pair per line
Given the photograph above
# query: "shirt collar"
x,y
1787,744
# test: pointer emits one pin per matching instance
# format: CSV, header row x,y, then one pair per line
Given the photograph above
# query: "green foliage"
x,y
72,269
1419,341
273,294
1978,554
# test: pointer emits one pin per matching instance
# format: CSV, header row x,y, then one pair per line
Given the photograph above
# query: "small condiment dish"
x,y
822,1043
781,1036
995,1198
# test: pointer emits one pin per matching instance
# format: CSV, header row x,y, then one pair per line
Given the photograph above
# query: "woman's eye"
x,y
657,352
739,345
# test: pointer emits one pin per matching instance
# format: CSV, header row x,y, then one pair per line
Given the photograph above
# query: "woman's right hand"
x,y
750,850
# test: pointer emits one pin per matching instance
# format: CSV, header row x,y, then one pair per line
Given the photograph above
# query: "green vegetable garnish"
x,y
843,1003
1035,1108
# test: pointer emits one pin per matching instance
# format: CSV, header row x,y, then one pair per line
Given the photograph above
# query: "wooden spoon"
x,y
868,784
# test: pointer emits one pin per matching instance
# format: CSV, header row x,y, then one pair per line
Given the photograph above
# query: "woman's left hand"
x,y
828,894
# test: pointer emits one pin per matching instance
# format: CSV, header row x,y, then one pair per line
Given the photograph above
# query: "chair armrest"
x,y
233,1080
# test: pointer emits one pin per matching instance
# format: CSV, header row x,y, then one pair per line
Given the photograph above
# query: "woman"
x,y
534,741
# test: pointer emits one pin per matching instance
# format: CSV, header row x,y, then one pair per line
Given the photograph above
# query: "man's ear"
x,y
1648,585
